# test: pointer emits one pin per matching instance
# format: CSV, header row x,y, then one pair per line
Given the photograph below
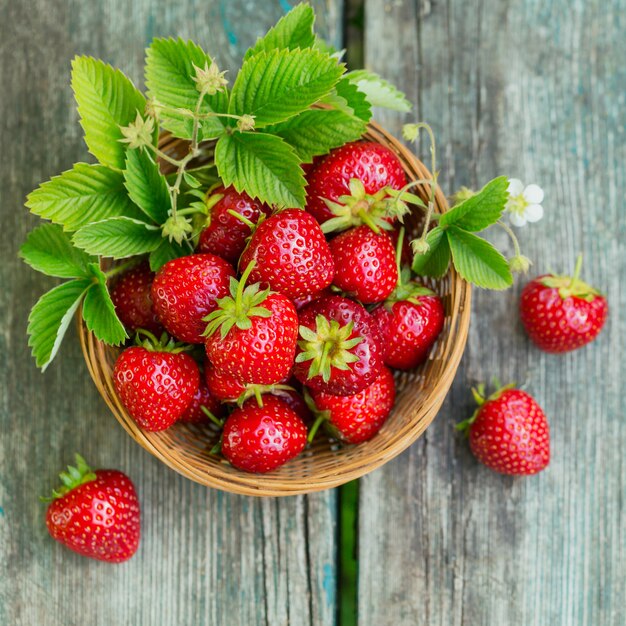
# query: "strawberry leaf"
x,y
349,99
293,30
166,251
477,261
435,262
169,78
106,100
84,194
118,237
274,86
99,311
49,250
317,131
481,210
264,166
50,317
378,91
146,185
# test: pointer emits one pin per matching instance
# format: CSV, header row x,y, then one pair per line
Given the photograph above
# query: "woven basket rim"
x,y
212,473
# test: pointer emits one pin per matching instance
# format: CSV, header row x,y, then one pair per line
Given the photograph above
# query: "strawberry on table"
x,y
133,301
373,165
365,264
410,321
291,254
186,290
95,513
156,382
252,334
509,432
356,418
225,235
340,350
562,313
260,439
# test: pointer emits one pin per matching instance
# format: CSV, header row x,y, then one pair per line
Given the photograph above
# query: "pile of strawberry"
x,y
301,313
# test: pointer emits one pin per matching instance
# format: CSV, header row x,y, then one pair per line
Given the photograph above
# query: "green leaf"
x,y
481,210
436,261
84,194
264,166
350,100
166,251
106,100
50,317
169,78
477,261
99,311
118,237
146,185
273,86
317,131
49,250
293,30
379,92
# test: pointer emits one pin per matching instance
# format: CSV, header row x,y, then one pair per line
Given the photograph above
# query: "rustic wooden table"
x,y
531,88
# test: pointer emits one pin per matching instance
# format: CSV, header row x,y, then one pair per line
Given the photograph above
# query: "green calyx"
x,y
72,478
257,391
481,398
237,309
165,343
407,290
177,228
328,346
360,208
571,285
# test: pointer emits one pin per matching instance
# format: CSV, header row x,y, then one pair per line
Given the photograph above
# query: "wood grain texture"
x,y
533,89
206,557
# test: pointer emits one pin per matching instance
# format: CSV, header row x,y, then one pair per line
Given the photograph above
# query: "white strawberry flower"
x,y
524,204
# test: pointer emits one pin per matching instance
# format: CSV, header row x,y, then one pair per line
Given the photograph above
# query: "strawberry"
x,y
508,432
258,331
302,301
365,264
225,234
340,351
562,313
356,418
372,165
186,290
156,383
95,514
291,254
260,439
410,321
133,301
221,384
194,414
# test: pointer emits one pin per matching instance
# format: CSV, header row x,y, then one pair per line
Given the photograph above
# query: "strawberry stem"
x,y
319,420
577,268
216,420
250,224
122,267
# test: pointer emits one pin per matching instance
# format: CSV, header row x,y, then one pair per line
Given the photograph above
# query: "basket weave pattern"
x,y
324,464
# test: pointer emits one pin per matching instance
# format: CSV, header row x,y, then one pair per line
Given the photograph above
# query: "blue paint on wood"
x,y
329,583
285,6
1,512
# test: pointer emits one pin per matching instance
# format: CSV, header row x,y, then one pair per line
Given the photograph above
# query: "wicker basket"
x,y
324,464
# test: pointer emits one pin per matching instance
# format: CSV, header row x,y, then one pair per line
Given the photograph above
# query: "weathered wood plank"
x,y
533,89
206,557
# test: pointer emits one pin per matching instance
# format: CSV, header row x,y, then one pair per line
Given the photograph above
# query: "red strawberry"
x,y
340,351
260,439
374,165
133,301
410,322
225,234
95,513
562,313
295,402
365,264
357,418
509,432
155,384
221,384
253,334
202,398
291,254
186,290
302,301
